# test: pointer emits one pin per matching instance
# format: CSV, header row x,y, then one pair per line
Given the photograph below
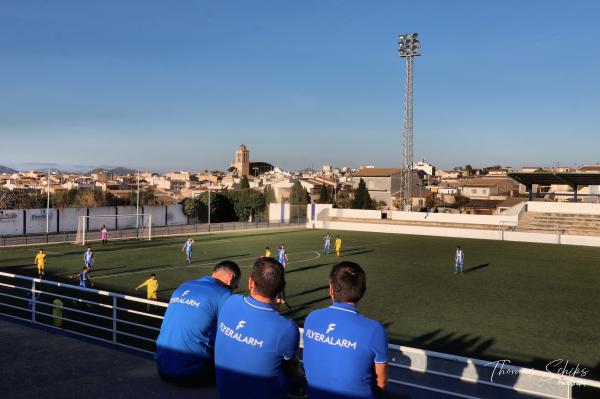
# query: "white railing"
x,y
101,315
126,324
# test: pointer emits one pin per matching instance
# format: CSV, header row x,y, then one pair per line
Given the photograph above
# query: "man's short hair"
x,y
229,266
268,276
349,282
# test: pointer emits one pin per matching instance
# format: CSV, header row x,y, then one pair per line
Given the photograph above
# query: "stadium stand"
x,y
566,223
415,223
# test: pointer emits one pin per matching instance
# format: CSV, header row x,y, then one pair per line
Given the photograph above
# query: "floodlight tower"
x,y
408,47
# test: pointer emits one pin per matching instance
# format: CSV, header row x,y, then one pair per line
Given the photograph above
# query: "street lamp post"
x,y
48,206
408,47
137,205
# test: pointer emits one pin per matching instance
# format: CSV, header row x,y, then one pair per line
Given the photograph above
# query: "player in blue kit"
x,y
187,248
282,255
185,345
88,258
327,244
256,347
459,261
340,336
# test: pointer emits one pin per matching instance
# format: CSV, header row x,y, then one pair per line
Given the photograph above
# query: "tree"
x,y
9,199
195,208
221,207
362,199
299,195
247,203
468,169
244,183
63,199
324,197
269,194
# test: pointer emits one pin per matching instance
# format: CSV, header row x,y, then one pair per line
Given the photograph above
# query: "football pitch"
x,y
527,303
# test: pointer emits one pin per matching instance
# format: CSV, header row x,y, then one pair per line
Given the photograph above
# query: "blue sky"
x,y
180,84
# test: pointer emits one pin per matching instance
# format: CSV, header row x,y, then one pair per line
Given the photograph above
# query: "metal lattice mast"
x,y
408,47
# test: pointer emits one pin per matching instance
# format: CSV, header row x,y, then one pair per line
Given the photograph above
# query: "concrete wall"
x,y
279,212
319,211
355,213
510,220
11,222
95,223
563,207
175,215
461,233
33,221
36,221
127,222
159,214
69,218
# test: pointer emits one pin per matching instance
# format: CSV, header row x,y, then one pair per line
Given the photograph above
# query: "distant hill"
x,y
120,170
6,169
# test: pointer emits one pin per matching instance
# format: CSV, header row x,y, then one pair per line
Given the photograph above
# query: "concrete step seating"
x,y
415,223
565,223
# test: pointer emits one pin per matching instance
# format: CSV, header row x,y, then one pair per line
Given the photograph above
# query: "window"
x,y
473,191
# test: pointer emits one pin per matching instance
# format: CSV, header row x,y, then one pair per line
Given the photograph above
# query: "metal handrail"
x,y
33,304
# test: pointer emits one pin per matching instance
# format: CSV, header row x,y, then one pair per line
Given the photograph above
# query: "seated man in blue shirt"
x,y
341,347
256,347
185,345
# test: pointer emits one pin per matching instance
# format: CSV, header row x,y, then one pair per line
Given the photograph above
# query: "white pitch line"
x,y
199,243
200,265
48,252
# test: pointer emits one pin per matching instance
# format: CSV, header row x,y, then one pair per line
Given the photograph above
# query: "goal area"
x,y
131,226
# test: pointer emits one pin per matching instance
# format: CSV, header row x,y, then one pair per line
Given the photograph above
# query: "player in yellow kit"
x,y
267,252
151,287
338,246
40,262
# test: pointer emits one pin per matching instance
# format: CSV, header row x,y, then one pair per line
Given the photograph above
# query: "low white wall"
x,y
69,218
563,207
158,213
96,223
425,217
175,215
320,210
461,233
279,212
127,222
355,213
36,221
11,222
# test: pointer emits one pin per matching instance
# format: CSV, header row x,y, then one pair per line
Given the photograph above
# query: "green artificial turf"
x,y
528,303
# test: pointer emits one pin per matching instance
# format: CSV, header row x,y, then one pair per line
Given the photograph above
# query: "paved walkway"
x,y
35,363
44,364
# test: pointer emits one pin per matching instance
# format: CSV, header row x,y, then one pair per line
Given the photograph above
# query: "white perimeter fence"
x,y
134,323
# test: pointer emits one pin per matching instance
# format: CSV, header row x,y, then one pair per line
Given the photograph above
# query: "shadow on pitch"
x,y
302,269
475,268
325,287
299,308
